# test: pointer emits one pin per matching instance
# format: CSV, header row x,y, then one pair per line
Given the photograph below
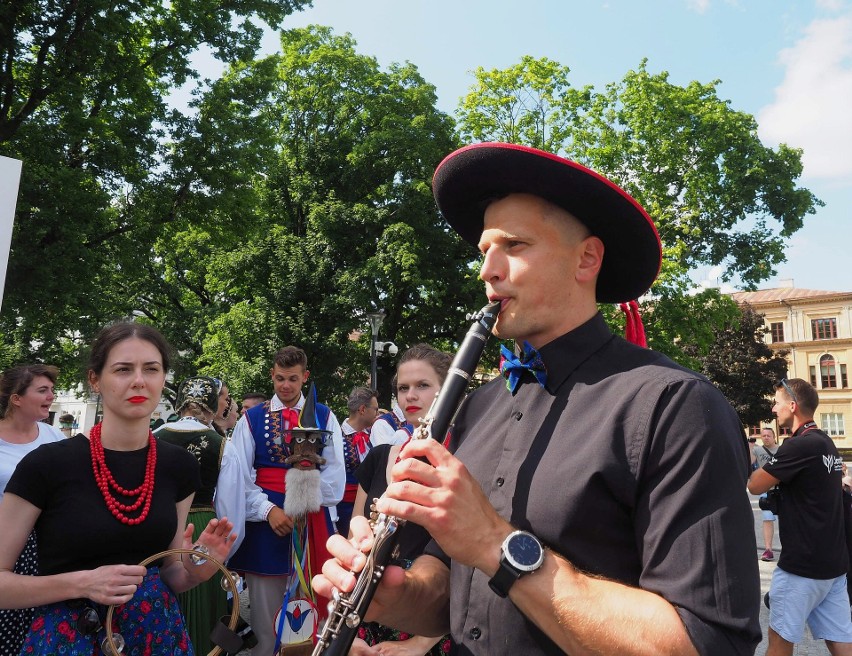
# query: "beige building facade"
x,y
816,328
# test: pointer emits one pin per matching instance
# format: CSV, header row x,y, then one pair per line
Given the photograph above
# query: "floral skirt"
x,y
151,625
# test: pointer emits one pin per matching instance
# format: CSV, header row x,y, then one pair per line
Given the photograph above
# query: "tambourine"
x,y
201,556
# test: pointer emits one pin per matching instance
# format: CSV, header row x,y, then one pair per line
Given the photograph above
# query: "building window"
x,y
832,423
777,330
754,431
843,382
824,328
828,371
813,375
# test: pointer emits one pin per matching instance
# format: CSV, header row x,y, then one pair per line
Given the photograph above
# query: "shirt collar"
x,y
275,405
564,354
398,412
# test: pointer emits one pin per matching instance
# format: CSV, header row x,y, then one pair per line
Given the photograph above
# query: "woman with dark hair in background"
x,y
419,375
26,394
102,503
197,402
226,416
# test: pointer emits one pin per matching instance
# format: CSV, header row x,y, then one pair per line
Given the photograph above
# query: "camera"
x,y
770,501
387,348
752,440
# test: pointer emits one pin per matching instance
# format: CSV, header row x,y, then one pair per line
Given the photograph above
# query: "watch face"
x,y
524,552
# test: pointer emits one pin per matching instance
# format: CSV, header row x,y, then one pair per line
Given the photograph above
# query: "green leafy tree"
x,y
743,367
83,90
332,157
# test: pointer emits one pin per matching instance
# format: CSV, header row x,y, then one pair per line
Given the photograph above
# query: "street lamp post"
x,y
376,319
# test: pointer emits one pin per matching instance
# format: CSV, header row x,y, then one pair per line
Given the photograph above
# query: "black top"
x,y
206,447
631,467
810,511
75,528
373,479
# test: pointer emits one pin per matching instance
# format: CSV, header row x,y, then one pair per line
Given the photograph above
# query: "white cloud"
x,y
700,6
812,104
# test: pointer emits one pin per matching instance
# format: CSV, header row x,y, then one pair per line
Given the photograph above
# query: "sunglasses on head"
x,y
783,383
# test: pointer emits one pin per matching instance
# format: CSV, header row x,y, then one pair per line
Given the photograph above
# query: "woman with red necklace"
x,y
101,504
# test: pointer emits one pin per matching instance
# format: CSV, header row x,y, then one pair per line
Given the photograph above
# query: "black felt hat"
x,y
471,176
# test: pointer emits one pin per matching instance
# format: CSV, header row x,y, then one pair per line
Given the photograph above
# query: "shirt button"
x,y
500,482
517,415
475,633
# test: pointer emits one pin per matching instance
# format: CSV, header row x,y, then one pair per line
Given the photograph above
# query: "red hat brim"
x,y
473,175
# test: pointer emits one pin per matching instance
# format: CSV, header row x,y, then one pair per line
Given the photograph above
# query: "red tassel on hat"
x,y
634,330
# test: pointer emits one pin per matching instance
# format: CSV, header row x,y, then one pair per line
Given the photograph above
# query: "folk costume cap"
x,y
472,176
198,389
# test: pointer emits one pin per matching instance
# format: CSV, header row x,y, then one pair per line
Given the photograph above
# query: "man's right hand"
x,y
279,521
348,559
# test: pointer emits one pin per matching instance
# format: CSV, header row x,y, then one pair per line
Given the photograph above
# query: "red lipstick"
x,y
138,399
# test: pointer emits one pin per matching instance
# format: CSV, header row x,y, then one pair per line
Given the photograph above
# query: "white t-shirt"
x,y
12,454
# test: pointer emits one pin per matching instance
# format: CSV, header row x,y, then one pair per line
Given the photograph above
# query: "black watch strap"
x,y
504,578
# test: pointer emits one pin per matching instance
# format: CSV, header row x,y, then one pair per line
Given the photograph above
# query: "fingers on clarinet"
x,y
334,576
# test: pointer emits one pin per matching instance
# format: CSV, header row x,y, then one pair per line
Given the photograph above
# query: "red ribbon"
x,y
361,442
291,419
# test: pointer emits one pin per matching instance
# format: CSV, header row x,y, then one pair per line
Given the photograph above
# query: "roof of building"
x,y
783,294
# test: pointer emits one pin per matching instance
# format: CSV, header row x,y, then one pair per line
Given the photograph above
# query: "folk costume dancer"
x,y
253,490
297,623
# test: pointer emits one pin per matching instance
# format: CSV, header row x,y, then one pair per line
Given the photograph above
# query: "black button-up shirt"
x,y
631,467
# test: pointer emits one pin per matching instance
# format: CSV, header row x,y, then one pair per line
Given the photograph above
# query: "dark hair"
x,y
17,379
113,334
291,356
438,360
254,395
804,394
360,396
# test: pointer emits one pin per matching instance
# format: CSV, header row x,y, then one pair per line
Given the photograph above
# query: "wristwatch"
x,y
522,553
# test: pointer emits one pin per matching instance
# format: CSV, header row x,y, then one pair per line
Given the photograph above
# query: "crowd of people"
x,y
591,500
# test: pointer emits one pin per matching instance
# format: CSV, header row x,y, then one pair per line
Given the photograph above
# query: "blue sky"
x,y
788,62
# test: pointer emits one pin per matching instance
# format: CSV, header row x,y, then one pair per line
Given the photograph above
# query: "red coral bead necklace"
x,y
106,483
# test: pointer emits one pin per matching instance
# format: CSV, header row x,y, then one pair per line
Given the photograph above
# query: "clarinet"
x,y
347,610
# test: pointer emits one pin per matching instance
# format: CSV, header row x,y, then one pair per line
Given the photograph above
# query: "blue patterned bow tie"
x,y
512,367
